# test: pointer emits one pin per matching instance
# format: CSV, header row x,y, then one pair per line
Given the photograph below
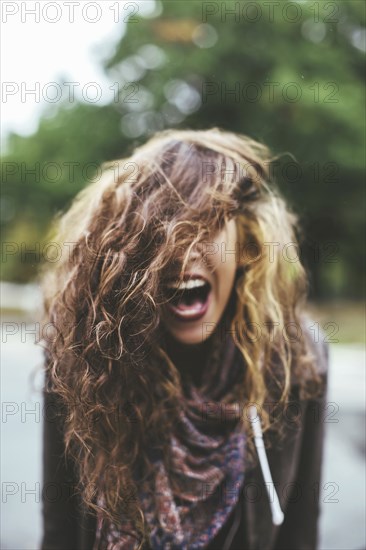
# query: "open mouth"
x,y
189,299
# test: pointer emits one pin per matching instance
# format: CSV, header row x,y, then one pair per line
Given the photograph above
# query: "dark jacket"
x,y
295,466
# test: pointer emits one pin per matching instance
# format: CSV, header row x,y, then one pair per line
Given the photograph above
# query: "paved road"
x,y
343,506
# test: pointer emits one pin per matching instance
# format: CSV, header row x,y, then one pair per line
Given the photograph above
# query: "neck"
x,y
190,359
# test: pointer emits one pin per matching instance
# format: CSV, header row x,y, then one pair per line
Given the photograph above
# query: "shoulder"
x,y
316,343
313,360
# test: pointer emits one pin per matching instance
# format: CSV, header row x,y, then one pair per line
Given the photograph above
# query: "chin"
x,y
192,333
191,337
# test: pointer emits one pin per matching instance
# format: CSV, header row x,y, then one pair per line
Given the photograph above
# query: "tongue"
x,y
196,305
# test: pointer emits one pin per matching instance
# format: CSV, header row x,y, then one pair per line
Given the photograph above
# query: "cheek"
x,y
229,274
225,278
225,263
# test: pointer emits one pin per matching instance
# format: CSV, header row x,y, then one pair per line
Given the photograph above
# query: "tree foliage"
x,y
289,74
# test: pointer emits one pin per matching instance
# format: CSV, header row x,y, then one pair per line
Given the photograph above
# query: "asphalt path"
x,y
342,520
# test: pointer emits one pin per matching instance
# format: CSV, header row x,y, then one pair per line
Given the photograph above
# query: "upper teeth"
x,y
187,285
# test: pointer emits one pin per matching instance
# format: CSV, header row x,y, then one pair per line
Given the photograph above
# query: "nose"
x,y
197,253
197,263
196,260
195,257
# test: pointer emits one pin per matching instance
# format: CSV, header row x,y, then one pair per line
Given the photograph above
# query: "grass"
x,y
346,320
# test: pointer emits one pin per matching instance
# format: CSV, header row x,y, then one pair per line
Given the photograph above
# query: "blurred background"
x,y
84,83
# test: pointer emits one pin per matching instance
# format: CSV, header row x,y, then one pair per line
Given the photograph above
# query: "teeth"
x,y
188,285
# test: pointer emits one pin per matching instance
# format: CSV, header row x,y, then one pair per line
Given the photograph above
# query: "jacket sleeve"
x,y
59,500
299,530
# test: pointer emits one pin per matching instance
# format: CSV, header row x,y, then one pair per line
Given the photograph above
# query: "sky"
x,y
63,40
67,40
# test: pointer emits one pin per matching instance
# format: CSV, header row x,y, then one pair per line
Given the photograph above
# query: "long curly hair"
x,y
124,234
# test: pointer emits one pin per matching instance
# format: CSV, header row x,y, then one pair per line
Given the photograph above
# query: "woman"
x,y
185,391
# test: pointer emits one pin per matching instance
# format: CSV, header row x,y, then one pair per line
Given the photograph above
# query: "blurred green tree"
x,y
288,74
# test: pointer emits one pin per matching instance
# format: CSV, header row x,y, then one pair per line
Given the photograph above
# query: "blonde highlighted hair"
x,y
104,299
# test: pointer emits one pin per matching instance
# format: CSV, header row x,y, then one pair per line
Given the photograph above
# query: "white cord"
x,y
277,514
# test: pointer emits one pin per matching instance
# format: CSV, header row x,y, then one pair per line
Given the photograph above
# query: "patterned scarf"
x,y
208,446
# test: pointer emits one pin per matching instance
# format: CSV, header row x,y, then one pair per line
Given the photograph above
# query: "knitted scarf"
x,y
208,447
